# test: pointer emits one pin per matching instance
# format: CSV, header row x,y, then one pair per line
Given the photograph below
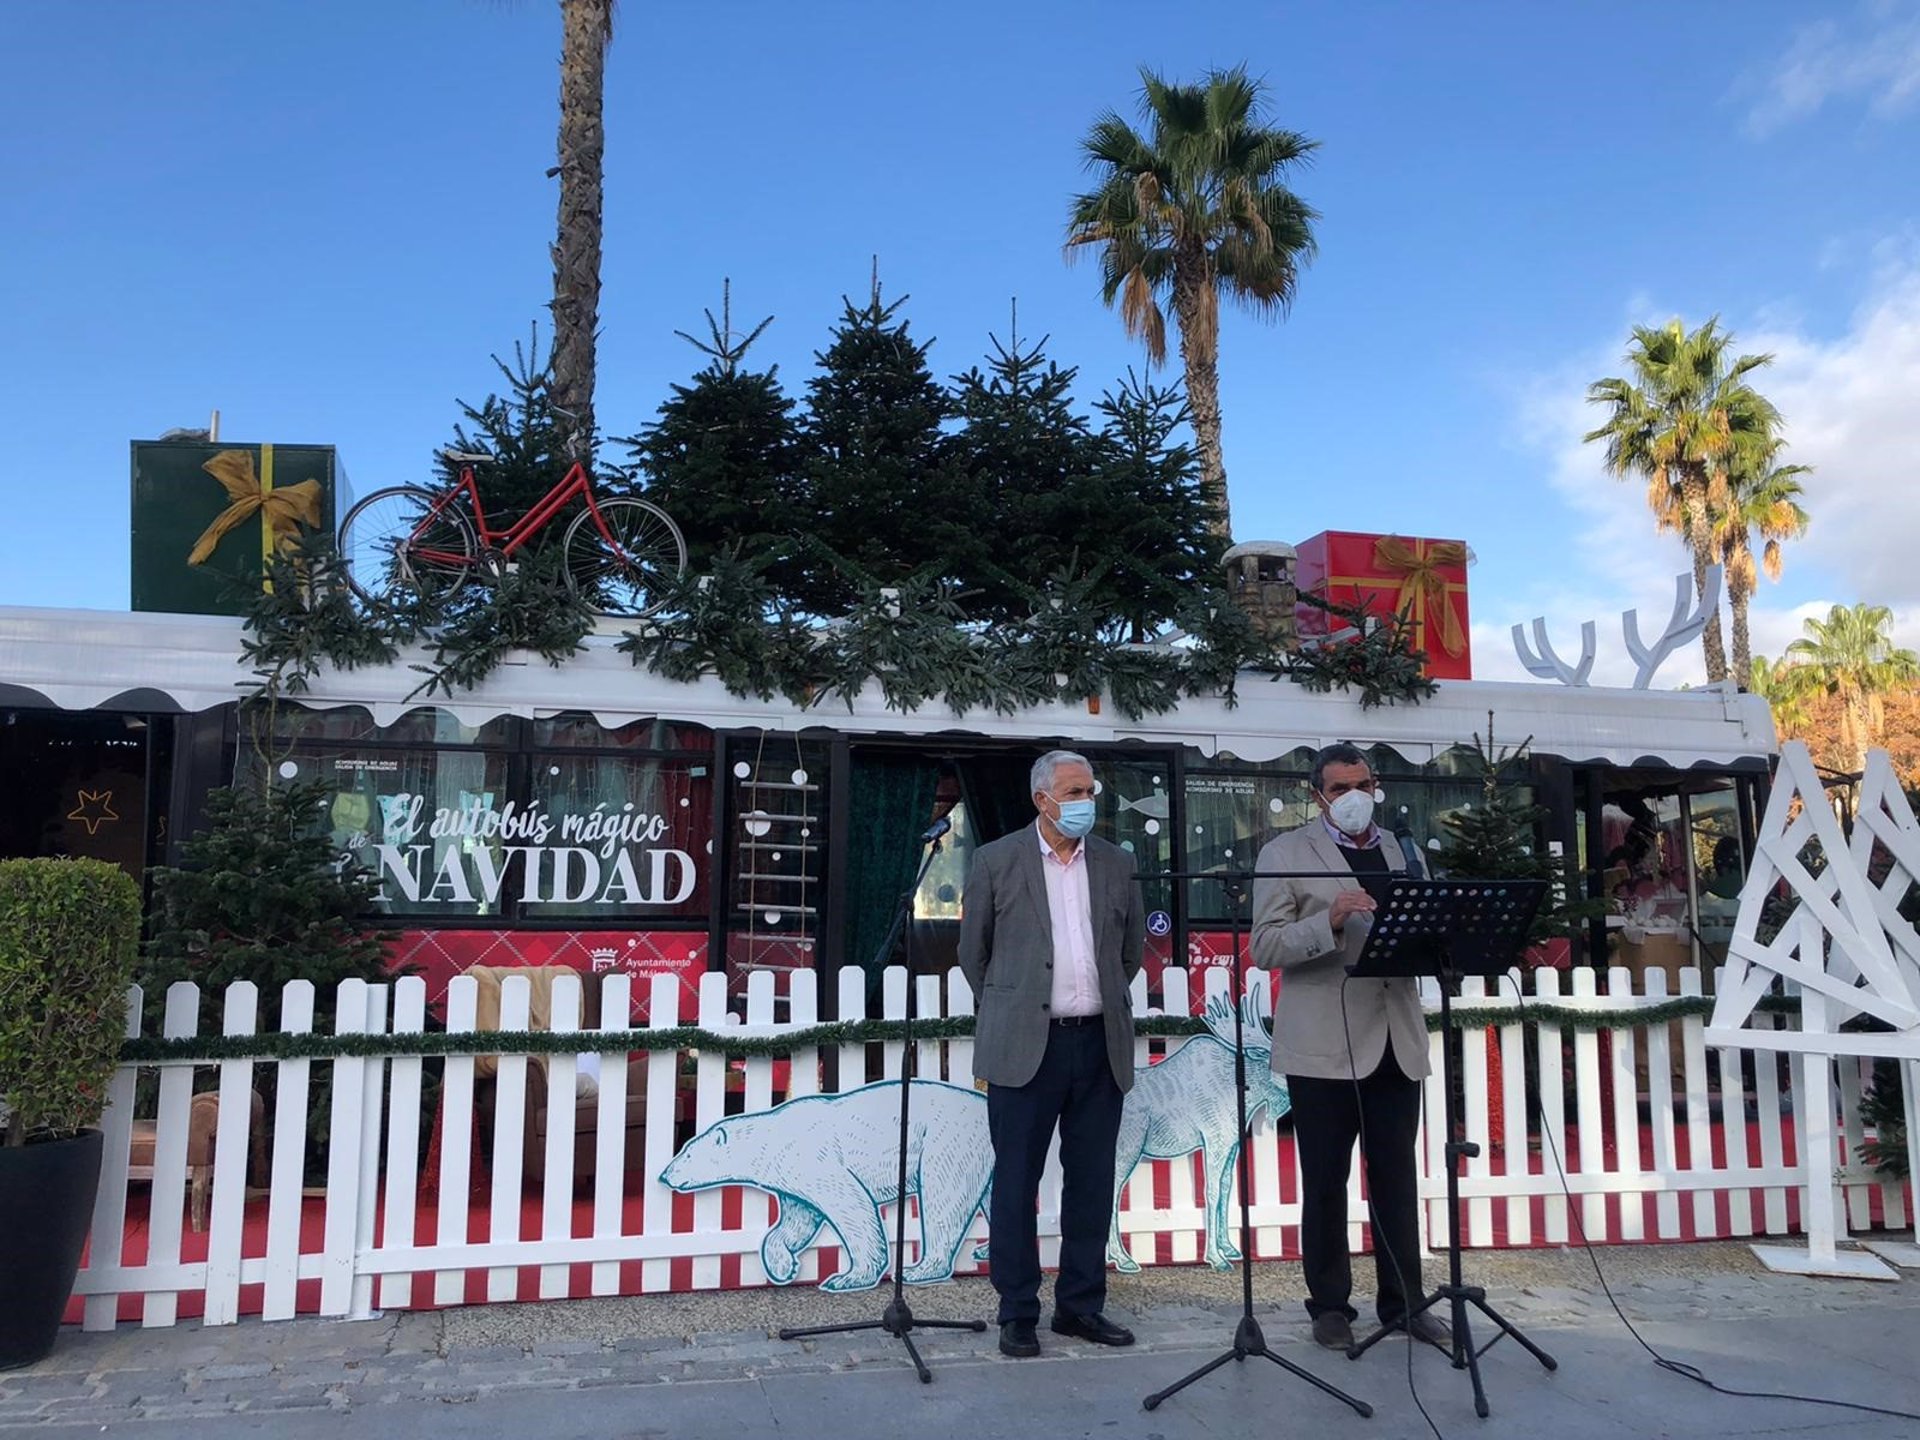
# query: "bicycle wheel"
x,y
393,548
629,576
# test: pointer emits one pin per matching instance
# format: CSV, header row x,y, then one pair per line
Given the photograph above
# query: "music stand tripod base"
x,y
1248,1339
1446,928
898,1319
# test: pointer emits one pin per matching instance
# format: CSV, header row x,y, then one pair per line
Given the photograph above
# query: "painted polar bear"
x,y
1185,1103
832,1160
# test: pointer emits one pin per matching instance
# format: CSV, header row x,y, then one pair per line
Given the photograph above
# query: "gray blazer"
x,y
1291,933
1006,953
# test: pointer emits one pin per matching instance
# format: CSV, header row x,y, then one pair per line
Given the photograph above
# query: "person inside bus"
x,y
1052,932
1353,1050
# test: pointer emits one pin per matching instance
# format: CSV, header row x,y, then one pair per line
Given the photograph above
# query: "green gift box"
x,y
207,516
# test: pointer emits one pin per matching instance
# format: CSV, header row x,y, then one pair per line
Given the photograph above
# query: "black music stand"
x,y
1446,929
1248,1338
898,1318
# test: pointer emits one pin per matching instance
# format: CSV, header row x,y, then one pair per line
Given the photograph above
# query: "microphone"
x,y
1416,867
937,829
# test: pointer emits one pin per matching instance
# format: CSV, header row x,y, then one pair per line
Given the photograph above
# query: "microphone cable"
x,y
1678,1367
1373,1210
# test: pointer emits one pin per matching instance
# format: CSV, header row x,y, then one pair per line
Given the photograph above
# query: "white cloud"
x,y
1609,558
1852,405
1875,57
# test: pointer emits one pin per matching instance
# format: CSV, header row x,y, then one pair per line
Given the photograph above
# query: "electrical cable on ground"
x,y
1677,1367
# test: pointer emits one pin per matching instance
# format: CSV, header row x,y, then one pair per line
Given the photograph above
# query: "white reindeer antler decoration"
x,y
1542,661
1687,621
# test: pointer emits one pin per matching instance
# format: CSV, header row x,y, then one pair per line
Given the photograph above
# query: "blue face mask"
x,y
1075,818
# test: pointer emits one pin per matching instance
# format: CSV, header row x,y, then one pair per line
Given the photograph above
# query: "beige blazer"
x,y
1291,934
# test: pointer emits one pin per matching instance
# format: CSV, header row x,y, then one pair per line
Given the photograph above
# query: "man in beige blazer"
x,y
1353,1050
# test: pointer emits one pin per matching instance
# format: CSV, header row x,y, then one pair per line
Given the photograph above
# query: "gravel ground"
x,y
1563,1274
508,1354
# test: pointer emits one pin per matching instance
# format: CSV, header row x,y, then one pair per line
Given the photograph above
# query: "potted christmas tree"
x,y
68,932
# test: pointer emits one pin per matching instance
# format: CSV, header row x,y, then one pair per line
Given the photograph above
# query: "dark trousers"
x,y
1327,1119
1075,1090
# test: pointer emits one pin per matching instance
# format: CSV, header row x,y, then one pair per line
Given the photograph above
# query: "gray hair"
x,y
1337,754
1040,778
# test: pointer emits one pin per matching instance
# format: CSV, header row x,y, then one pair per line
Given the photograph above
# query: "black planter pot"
x,y
46,1205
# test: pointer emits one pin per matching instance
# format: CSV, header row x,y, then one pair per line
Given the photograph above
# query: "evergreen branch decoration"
x,y
1023,556
915,639
1379,661
730,625
304,618
1883,1110
281,1046
530,607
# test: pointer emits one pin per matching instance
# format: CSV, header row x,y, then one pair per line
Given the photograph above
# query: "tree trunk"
x,y
1855,717
585,26
1738,596
1693,491
1196,309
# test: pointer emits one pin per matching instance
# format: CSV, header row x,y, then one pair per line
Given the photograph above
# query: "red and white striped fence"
x,y
1660,1138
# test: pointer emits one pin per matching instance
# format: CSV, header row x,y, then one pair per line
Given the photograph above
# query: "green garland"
x,y
1472,1014
915,639
281,1046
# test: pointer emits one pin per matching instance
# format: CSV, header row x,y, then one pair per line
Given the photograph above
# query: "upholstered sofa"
x,y
540,1101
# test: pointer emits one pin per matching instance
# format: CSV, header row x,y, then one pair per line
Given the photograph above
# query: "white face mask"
x,y
1352,812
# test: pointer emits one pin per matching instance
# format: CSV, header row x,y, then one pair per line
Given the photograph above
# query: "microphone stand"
x,y
898,1318
1248,1338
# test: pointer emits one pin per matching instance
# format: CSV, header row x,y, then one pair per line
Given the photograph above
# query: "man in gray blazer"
x,y
1052,931
1353,1050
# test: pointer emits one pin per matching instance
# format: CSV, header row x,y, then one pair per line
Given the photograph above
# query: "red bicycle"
x,y
619,553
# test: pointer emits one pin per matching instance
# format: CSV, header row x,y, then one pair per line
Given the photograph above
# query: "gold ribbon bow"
x,y
283,511
1422,586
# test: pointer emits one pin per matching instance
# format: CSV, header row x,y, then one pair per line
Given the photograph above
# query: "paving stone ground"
x,y
711,1364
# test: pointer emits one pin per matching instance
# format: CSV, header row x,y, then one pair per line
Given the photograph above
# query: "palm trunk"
x,y
1738,596
1858,726
1693,491
1200,355
585,28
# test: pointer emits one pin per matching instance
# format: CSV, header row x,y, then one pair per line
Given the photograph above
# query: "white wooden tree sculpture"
x,y
1846,948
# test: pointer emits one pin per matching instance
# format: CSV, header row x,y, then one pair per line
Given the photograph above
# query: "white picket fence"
x,y
381,1234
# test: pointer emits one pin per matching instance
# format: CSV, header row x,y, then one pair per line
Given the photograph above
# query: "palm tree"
x,y
1851,655
1195,206
1761,497
586,28
1685,420
1783,685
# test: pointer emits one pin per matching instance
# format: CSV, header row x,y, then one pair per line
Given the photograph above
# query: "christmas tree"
x,y
1035,467
1158,529
885,502
1498,838
262,895
721,457
523,433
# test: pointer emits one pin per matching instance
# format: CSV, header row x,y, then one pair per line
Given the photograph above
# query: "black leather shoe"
x,y
1017,1338
1333,1330
1097,1328
1431,1329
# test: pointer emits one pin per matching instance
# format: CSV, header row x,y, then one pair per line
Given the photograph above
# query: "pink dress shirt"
x,y
1076,983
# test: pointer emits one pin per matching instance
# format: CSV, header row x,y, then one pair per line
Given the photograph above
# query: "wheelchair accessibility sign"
x,y
1159,923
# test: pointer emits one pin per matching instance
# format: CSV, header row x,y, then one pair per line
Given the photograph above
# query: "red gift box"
x,y
1388,575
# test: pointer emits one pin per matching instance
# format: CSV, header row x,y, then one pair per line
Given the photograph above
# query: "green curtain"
x,y
889,805
995,789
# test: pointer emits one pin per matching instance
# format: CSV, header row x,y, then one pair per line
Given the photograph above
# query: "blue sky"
x,y
322,219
